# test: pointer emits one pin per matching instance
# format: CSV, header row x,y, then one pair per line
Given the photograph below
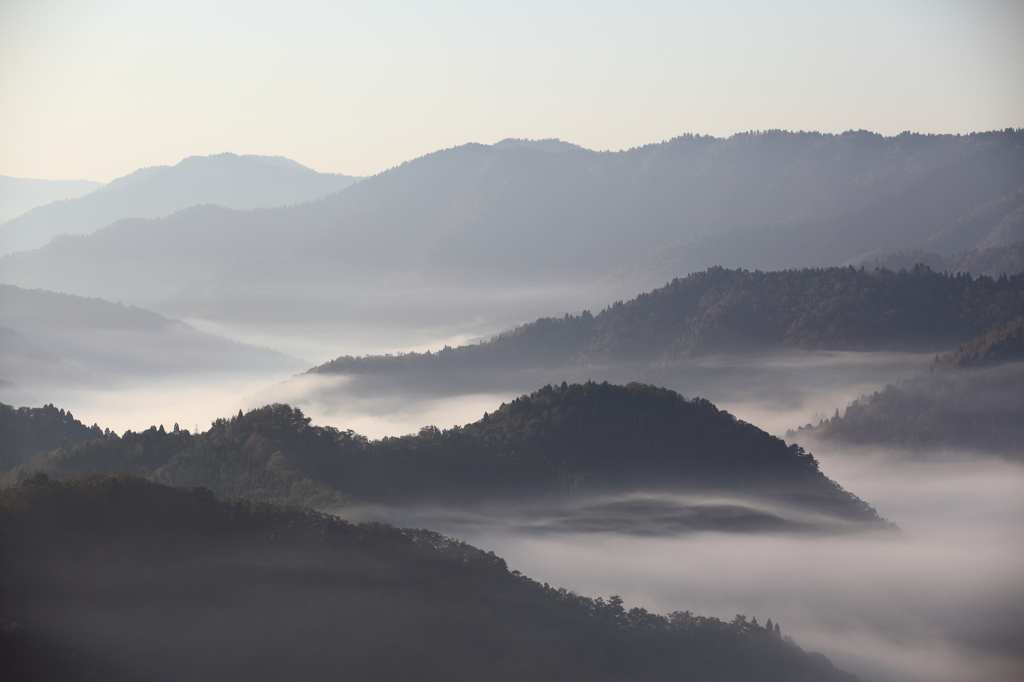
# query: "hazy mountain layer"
x,y
18,195
111,341
239,182
24,363
589,439
507,232
968,400
177,584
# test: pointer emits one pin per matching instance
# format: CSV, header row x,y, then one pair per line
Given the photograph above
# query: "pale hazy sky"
x,y
97,89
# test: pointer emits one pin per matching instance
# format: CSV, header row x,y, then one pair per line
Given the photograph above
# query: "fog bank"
x,y
941,601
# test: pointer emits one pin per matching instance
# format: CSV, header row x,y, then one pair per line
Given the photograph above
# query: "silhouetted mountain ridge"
x,y
584,438
229,180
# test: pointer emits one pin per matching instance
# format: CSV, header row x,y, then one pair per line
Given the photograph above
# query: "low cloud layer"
x,y
941,601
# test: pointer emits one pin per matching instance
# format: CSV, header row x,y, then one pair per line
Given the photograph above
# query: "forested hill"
x,y
175,584
25,431
578,439
722,310
968,400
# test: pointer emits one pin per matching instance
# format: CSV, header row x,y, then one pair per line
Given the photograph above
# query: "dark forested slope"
x,y
583,438
176,584
737,310
25,431
971,399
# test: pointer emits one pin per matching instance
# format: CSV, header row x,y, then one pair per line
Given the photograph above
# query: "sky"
x,y
93,90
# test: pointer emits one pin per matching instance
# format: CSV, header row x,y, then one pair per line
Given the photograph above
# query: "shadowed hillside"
x,y
722,311
177,584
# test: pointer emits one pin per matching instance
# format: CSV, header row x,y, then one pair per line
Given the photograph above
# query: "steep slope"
x,y
177,584
589,439
506,232
229,180
968,400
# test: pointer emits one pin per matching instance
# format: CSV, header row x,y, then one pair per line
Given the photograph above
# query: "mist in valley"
x,y
938,600
737,202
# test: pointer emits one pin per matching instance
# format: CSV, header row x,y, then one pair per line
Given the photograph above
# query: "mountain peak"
x,y
552,144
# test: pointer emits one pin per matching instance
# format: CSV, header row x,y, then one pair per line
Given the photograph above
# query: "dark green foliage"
x,y
736,310
971,399
25,431
581,437
177,584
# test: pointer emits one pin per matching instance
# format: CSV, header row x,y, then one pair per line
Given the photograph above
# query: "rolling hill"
x,y
58,339
581,439
728,311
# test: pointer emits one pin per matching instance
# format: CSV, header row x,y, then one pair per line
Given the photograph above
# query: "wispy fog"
x,y
941,601
776,392
192,403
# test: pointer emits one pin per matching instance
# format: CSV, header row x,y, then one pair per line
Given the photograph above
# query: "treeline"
x,y
724,310
25,431
970,399
174,583
570,438
994,261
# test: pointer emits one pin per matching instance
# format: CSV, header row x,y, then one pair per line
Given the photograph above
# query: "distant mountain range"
x,y
19,195
228,180
491,235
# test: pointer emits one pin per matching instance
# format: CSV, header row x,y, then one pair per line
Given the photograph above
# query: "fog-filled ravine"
x,y
942,601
